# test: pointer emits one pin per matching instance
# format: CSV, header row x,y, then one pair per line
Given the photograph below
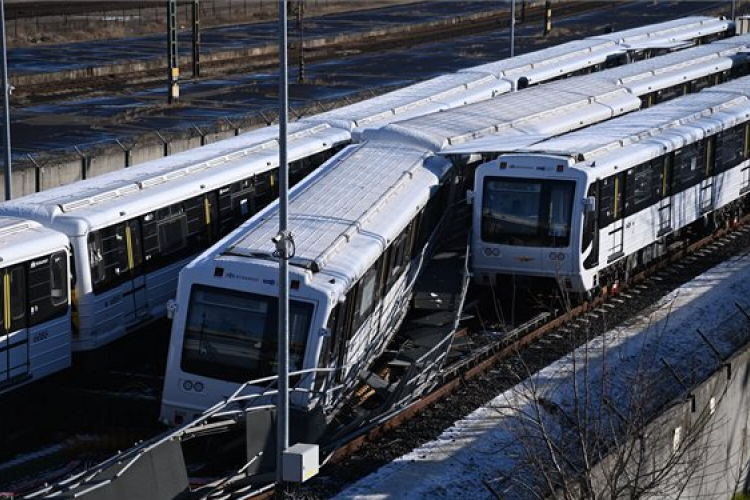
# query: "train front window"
x,y
232,335
527,212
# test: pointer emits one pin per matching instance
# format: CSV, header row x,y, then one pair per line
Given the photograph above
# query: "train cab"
x,y
35,338
525,220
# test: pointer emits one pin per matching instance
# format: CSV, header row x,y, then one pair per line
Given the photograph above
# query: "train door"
x,y
665,202
14,335
136,299
611,214
707,184
114,256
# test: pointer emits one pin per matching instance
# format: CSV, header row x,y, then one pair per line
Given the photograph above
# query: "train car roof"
x,y
435,94
638,78
140,189
539,111
559,59
654,131
352,209
22,240
669,31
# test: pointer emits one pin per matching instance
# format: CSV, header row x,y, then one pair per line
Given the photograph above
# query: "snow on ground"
x,y
625,365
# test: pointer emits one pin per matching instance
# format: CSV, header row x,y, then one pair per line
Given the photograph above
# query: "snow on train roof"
x,y
111,191
563,57
352,207
438,93
676,30
21,240
677,61
691,116
639,78
531,109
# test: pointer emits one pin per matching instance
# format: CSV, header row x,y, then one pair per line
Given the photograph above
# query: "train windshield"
x,y
527,212
231,335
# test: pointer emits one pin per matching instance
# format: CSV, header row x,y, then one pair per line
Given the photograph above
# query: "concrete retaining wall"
x,y
697,448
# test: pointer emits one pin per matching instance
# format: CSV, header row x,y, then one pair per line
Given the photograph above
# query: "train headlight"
x,y
187,385
198,386
488,252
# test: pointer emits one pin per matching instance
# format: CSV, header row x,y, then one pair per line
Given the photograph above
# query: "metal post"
x,y
282,405
300,21
734,11
196,38
173,74
6,106
512,27
547,16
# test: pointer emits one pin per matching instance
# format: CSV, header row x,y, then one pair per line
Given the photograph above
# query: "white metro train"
x,y
345,228
362,225
586,209
129,232
35,339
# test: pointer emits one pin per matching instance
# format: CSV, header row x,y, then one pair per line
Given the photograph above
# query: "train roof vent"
x,y
197,168
107,195
15,227
75,205
305,132
153,181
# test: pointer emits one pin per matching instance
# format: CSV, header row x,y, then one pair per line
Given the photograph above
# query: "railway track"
x,y
220,64
489,363
505,359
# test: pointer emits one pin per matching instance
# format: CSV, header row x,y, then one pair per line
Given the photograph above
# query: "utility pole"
x,y
6,106
512,28
196,38
282,241
300,7
173,75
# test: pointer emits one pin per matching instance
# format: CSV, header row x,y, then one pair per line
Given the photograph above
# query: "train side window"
x,y
699,84
16,301
688,166
48,288
611,199
399,256
59,279
640,190
589,222
172,233
367,295
730,146
264,189
710,155
134,245
197,217
298,170
108,257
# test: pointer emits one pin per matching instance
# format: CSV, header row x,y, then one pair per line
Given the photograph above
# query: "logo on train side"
x,y
524,258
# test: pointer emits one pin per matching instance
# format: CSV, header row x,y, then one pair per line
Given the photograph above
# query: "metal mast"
x,y
282,247
173,75
6,106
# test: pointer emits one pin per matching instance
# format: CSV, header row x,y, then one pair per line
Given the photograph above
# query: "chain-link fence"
x,y
31,25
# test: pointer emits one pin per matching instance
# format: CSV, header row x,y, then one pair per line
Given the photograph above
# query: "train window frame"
x,y
105,272
688,166
367,295
730,142
17,301
39,286
399,256
612,198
